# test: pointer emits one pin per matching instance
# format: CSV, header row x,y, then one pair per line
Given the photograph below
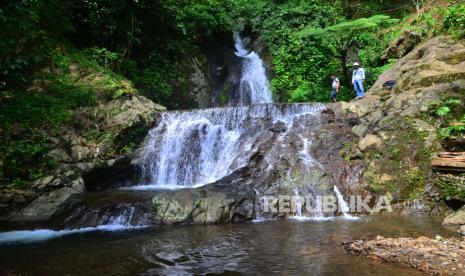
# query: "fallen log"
x,y
449,164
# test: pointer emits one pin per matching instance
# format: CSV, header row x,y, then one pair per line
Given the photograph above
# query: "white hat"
x,y
356,64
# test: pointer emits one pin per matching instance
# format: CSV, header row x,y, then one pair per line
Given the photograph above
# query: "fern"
x,y
443,111
453,102
449,131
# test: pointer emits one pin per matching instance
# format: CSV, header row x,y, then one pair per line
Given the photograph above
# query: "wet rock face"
x,y
224,69
108,208
285,159
14,199
432,256
230,199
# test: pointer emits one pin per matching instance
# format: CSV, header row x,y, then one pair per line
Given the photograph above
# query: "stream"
x,y
271,247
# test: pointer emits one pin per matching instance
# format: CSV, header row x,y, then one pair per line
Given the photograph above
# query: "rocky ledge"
x,y
432,256
92,152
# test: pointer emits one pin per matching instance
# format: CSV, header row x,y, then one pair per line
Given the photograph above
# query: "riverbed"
x,y
268,247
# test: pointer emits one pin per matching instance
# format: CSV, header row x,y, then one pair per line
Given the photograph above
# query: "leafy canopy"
x,y
345,32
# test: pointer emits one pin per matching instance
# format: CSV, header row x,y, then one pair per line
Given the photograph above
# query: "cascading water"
x,y
343,206
194,148
198,147
254,86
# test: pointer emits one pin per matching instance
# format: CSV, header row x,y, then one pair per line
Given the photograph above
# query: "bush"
x,y
23,146
455,20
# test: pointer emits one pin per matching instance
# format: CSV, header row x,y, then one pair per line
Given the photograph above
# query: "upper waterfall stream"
x,y
198,147
254,86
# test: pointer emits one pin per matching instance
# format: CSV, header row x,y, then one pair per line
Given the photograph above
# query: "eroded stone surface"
x,y
433,256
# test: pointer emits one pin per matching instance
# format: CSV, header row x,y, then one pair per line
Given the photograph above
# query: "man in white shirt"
x,y
358,76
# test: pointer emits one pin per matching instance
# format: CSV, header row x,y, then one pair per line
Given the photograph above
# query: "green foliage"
x,y
443,111
453,102
454,130
22,148
105,57
301,94
196,19
28,30
300,65
23,160
451,185
344,32
455,20
347,34
449,109
449,113
307,47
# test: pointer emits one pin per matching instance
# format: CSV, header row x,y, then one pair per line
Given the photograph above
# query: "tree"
x,y
418,4
344,35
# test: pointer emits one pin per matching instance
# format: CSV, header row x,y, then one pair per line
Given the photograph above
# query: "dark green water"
x,y
273,247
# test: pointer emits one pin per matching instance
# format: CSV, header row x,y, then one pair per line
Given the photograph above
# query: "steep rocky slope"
x,y
397,123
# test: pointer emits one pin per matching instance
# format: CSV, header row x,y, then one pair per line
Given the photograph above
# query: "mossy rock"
x,y
452,186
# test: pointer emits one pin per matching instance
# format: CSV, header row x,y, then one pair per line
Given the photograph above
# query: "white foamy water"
x,y
343,206
37,235
198,147
317,216
254,85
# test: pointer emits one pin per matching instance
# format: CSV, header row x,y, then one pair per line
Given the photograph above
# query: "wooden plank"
x,y
451,153
462,157
447,162
452,157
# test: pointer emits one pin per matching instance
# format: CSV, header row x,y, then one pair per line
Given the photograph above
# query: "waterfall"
x,y
298,203
254,86
198,147
343,206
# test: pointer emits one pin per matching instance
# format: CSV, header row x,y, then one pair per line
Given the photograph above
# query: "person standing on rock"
x,y
358,76
335,86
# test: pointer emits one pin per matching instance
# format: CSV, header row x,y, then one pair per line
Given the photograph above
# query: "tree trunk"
x,y
346,74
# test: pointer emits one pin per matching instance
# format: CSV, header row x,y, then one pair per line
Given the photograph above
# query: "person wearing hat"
x,y
358,76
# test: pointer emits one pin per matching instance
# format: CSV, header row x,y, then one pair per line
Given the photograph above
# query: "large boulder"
x,y
370,142
402,46
111,127
388,121
230,199
440,60
455,219
43,208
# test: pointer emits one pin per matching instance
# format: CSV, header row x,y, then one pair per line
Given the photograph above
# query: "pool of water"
x,y
272,247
